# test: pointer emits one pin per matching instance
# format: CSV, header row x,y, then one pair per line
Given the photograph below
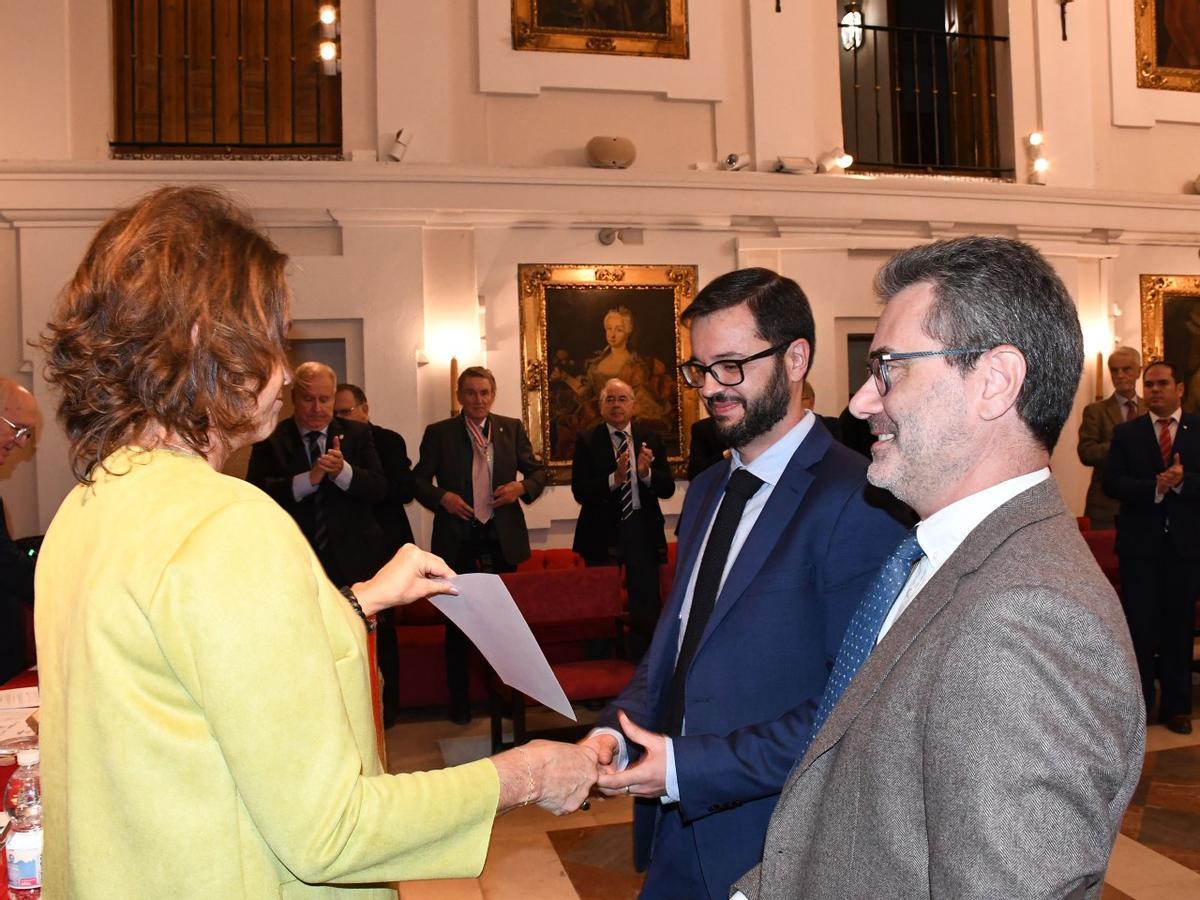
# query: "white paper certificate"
x,y
485,611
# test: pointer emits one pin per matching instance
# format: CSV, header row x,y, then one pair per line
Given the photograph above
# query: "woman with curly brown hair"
x,y
206,715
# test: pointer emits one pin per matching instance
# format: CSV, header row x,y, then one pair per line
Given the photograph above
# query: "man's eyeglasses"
x,y
20,432
878,362
346,410
725,372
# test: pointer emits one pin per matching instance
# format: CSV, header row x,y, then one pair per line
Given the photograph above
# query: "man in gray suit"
x,y
990,741
1096,430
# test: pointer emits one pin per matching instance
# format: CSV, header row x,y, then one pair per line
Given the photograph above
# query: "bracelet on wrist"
x,y
367,620
529,773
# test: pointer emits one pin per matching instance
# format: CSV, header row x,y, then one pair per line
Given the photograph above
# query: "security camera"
x,y
735,161
400,145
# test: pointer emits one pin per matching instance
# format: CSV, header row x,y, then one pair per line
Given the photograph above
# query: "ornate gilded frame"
x,y
1149,73
529,33
1157,292
661,290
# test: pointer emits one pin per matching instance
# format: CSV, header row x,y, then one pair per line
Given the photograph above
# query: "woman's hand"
x,y
557,777
411,574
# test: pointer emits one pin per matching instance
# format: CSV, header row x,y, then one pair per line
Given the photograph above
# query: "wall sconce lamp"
x,y
852,27
329,50
327,15
834,162
331,60
1035,144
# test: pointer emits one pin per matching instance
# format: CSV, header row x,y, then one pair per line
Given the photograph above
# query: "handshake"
x,y
559,777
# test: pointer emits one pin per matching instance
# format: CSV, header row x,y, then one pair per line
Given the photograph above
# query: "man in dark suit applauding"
x,y
618,475
1154,471
478,526
325,472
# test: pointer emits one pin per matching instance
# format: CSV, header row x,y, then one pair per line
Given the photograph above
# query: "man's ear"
x,y
1000,373
796,358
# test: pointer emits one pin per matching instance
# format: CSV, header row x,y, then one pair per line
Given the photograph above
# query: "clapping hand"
x,y
645,457
1171,477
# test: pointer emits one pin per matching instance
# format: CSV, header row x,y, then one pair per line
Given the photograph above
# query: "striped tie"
x,y
625,490
1164,440
320,533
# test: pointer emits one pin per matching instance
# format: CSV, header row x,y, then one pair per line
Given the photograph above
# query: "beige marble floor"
x,y
523,863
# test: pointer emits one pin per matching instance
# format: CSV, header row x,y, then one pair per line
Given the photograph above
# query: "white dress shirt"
x,y
940,535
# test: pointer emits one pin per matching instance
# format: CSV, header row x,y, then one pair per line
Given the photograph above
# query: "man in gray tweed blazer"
x,y
989,744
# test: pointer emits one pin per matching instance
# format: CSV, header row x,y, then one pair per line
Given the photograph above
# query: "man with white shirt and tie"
x,y
982,731
1154,471
776,548
326,473
1096,430
467,475
618,475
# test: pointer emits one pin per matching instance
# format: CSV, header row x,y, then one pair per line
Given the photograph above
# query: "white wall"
x,y
495,177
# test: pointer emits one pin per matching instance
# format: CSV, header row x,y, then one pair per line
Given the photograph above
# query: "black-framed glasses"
x,y
725,372
878,362
20,432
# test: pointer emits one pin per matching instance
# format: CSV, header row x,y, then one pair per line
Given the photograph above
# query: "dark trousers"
x,y
1158,594
637,550
480,554
674,872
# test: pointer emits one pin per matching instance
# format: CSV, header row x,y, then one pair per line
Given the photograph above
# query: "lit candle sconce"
x,y
1099,338
457,346
329,50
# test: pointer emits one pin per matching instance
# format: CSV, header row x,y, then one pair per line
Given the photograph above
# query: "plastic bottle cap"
x,y
28,757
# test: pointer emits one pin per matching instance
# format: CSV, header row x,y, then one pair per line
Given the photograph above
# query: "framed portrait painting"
x,y
582,325
1168,44
1171,328
620,27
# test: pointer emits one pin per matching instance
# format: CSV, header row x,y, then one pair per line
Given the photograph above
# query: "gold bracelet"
x,y
529,772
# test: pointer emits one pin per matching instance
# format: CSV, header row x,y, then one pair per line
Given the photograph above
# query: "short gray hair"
x,y
989,291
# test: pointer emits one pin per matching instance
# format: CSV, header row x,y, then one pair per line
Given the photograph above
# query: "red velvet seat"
x,y
567,610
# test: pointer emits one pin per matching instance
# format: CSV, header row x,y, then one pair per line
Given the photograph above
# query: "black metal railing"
x,y
919,100
237,77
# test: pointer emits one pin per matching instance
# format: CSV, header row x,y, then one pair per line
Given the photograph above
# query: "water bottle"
x,y
23,846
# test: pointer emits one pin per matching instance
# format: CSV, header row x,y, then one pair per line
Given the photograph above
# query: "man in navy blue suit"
x,y
776,548
1154,470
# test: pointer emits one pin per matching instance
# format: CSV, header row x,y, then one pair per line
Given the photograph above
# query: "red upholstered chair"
x,y
1103,545
377,699
1084,523
567,610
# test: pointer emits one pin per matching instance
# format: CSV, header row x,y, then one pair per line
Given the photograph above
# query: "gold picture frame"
x,y
1167,33
629,316
1171,327
642,28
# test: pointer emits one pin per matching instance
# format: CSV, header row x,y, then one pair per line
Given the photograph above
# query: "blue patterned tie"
x,y
860,637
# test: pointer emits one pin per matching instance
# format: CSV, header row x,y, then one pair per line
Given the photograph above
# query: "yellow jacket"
x,y
206,717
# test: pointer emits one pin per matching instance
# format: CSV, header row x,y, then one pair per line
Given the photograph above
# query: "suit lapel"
x,y
785,504
1038,502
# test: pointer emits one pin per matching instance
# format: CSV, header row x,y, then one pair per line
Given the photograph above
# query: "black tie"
x,y
625,488
320,534
741,487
